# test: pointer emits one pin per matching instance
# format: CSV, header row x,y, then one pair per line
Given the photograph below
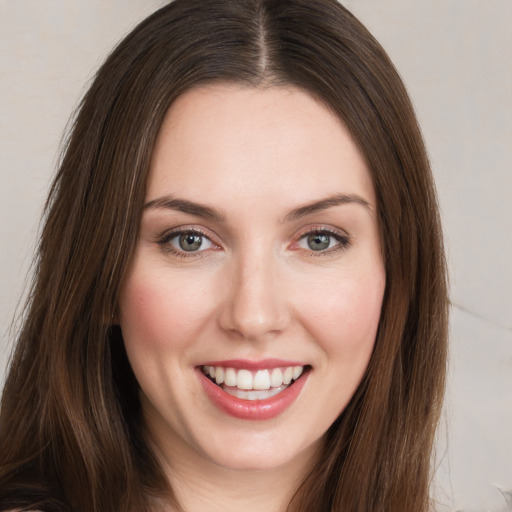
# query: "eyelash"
x,y
343,240
163,241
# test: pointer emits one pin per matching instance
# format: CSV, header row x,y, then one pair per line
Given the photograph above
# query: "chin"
x,y
262,452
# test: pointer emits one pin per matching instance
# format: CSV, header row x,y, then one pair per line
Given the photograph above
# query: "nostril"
x,y
252,322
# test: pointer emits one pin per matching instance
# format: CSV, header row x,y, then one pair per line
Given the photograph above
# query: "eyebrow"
x,y
182,205
324,204
207,212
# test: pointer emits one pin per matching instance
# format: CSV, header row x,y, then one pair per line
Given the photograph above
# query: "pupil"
x,y
318,242
190,242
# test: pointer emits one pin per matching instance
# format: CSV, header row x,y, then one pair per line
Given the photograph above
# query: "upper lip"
x,y
247,364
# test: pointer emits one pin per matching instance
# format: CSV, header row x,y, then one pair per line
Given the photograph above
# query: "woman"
x,y
240,298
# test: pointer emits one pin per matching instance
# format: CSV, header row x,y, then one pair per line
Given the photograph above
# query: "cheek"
x,y
158,313
343,316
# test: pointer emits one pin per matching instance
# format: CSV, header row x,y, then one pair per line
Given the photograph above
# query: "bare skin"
x,y
259,241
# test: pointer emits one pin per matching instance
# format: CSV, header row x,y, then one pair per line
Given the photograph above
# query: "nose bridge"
x,y
255,306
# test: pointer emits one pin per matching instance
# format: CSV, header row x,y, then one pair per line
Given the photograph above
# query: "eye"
x,y
185,243
189,242
323,241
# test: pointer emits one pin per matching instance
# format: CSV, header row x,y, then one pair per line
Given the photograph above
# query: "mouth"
x,y
253,391
248,384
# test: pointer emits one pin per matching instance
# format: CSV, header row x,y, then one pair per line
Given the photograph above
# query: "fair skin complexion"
x,y
259,241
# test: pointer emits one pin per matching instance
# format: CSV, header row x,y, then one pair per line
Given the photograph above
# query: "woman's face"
x,y
258,264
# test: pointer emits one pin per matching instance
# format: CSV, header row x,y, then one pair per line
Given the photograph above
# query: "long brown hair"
x,y
71,432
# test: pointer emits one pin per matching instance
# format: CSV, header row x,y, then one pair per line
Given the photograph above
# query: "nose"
x,y
255,306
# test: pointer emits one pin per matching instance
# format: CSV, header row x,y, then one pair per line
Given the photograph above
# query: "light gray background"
x,y
455,57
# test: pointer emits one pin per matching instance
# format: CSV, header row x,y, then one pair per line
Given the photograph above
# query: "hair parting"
x,y
71,429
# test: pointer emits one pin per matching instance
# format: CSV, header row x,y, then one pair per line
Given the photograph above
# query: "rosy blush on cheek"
x,y
259,295
350,310
139,305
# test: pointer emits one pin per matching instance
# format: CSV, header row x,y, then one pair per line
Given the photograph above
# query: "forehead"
x,y
274,143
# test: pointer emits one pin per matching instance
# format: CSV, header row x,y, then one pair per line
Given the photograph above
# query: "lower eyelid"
x,y
204,241
164,241
343,241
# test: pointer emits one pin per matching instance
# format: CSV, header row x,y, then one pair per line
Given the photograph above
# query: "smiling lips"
x,y
253,393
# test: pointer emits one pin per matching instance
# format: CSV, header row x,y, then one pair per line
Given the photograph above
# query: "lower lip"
x,y
253,409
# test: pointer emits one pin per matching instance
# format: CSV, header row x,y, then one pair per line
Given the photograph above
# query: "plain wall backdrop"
x,y
456,59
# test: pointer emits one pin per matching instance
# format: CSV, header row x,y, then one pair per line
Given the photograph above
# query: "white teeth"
x,y
254,395
276,379
297,372
230,377
261,380
219,375
244,379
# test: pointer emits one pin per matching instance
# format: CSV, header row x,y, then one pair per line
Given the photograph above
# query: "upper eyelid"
x,y
164,242
342,236
170,233
164,239
323,229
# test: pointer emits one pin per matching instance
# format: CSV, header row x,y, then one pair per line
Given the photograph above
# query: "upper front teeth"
x,y
260,379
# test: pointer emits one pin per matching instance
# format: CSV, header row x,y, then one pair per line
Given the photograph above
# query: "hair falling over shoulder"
x,y
71,432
